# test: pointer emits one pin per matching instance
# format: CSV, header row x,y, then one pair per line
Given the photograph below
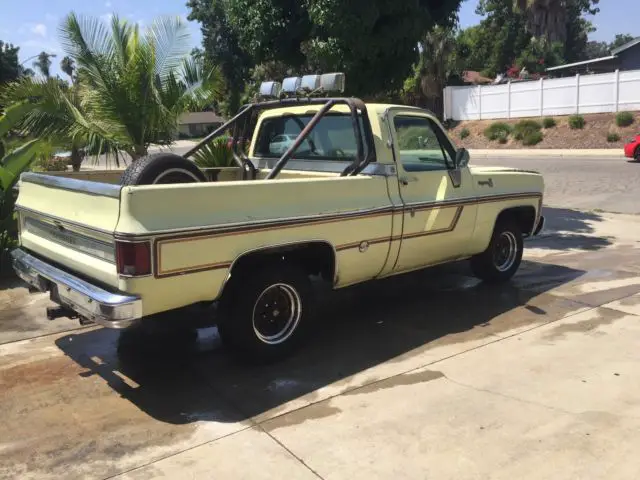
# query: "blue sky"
x,y
32,24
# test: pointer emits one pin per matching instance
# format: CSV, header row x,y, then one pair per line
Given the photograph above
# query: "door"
x,y
439,212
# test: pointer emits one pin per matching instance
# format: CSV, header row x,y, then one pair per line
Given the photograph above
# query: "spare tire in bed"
x,y
162,168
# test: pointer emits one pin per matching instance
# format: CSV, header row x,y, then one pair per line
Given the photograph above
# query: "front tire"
x,y
266,314
502,258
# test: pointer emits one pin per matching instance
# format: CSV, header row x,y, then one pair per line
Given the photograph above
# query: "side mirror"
x,y
462,158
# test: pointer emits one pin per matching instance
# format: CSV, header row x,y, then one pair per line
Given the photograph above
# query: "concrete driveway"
x,y
431,375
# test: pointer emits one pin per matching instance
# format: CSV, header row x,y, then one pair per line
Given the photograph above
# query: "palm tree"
x,y
129,92
67,65
43,63
545,18
434,66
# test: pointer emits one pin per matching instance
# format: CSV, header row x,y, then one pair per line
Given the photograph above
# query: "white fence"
x,y
607,92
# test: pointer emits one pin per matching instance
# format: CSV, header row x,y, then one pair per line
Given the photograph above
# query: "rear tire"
x,y
162,168
636,155
265,315
502,258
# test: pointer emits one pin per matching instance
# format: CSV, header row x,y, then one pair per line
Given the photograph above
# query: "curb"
x,y
596,153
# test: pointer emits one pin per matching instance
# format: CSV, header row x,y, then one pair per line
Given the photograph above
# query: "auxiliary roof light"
x,y
291,85
332,82
270,89
307,85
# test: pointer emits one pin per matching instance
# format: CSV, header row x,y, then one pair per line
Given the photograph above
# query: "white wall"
x,y
607,92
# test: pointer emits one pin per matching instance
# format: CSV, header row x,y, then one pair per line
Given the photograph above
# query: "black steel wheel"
x,y
502,258
264,315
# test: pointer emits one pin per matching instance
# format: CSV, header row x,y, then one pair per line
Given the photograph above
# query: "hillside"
x,y
593,135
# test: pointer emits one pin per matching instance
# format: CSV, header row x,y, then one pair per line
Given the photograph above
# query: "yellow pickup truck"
x,y
327,186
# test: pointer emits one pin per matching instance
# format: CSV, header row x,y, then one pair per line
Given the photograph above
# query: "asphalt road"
x,y
586,183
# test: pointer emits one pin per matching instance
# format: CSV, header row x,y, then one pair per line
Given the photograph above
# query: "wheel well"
x,y
524,216
316,258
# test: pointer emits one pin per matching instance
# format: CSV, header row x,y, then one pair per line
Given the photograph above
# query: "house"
x,y
625,57
198,124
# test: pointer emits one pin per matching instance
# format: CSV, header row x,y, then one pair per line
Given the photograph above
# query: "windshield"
x,y
332,138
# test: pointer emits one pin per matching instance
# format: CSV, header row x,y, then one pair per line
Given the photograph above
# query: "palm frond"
x,y
214,154
17,161
169,38
88,42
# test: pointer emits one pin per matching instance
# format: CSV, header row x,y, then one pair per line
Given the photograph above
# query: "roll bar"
x,y
243,119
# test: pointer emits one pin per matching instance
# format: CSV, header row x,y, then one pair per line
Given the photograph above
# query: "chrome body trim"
x,y
80,227
109,309
73,184
58,233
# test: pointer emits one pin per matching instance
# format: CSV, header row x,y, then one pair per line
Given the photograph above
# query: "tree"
x,y
437,60
549,18
43,63
620,40
545,18
373,41
493,46
67,65
130,89
520,33
9,65
222,48
596,50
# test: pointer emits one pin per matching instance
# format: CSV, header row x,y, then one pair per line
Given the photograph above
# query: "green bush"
x,y
503,137
524,128
613,137
532,138
576,122
624,119
498,130
548,122
464,133
215,154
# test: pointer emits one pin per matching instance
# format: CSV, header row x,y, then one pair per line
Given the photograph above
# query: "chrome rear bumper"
x,y
112,310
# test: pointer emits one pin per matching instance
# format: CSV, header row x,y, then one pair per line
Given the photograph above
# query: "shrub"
x,y
613,137
548,122
503,137
576,122
526,127
497,130
215,154
624,119
532,138
464,133
51,164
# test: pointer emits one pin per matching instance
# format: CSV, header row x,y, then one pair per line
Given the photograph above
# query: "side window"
x,y
420,145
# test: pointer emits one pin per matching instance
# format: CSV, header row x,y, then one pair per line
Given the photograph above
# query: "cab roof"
x,y
372,108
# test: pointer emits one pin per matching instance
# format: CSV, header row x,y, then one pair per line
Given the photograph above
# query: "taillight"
x,y
133,259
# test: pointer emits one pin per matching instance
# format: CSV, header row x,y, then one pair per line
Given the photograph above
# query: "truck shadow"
x,y
567,229
402,319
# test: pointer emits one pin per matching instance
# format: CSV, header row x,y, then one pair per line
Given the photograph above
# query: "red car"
x,y
632,149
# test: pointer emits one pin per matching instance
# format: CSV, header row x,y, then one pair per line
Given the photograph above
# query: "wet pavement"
x,y
429,375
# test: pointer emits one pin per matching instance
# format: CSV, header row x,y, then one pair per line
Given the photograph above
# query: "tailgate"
x,y
71,223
